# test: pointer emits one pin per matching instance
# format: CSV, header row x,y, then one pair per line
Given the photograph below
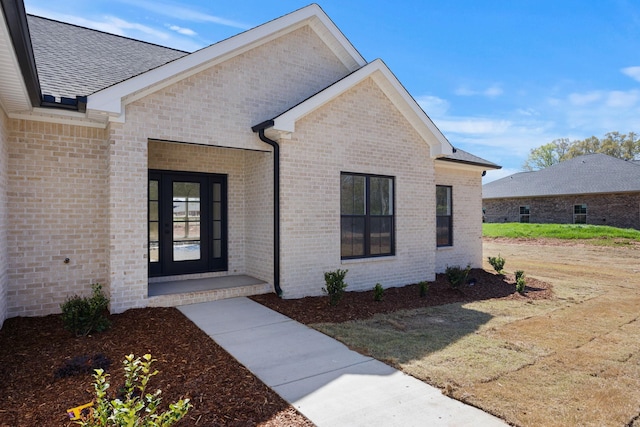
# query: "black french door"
x,y
187,222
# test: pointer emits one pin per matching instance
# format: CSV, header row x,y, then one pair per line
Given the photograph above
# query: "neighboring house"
x,y
590,189
255,164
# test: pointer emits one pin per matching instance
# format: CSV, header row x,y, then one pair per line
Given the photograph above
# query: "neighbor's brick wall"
x,y
360,131
4,214
58,209
616,210
467,217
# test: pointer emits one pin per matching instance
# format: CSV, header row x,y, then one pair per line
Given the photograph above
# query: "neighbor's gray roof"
x,y
75,61
461,156
591,173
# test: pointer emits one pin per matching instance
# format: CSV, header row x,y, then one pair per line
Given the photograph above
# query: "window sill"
x,y
444,248
368,259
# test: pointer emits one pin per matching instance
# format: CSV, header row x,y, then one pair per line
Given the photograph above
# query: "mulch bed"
x,y
191,364
360,305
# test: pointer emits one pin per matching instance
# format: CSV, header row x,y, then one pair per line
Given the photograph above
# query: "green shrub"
x,y
519,274
378,292
497,263
82,316
424,288
335,285
135,407
456,275
521,284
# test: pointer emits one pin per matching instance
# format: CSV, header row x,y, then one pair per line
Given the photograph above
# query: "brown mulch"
x,y
191,364
360,305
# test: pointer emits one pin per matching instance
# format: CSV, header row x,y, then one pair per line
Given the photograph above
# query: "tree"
x,y
614,144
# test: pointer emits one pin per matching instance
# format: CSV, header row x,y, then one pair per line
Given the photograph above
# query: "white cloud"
x,y
633,72
181,30
580,99
621,99
474,126
492,91
433,106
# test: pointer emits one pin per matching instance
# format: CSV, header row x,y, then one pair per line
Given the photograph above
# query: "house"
x,y
253,165
590,189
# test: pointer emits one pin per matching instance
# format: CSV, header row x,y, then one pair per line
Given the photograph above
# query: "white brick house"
x,y
296,157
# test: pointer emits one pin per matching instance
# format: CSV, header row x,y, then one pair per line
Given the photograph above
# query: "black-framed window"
x,y
525,213
444,216
366,215
580,214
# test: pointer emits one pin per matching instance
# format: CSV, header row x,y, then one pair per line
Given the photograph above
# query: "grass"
x,y
570,360
596,234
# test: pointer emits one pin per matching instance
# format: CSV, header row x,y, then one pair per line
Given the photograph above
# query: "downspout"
x,y
276,201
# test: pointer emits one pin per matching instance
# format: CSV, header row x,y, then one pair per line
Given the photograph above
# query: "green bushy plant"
x,y
378,292
136,407
423,288
521,282
84,315
335,285
457,275
497,263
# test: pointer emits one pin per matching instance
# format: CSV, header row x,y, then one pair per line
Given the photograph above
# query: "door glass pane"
x,y
217,248
186,221
154,253
217,211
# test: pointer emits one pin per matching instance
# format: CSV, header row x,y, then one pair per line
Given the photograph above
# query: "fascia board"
x,y
112,99
392,88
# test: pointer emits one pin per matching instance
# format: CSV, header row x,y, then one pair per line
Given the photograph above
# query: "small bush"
x,y
135,407
82,316
519,274
335,285
497,263
424,288
378,292
456,275
521,282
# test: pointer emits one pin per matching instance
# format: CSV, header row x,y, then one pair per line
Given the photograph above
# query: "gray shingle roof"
x,y
75,61
591,173
461,156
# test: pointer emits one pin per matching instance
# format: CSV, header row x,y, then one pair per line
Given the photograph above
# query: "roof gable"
x,y
110,101
591,173
392,88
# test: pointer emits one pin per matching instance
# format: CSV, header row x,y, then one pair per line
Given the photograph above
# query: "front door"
x,y
187,223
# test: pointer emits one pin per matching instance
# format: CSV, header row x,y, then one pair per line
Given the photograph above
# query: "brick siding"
x,y
616,210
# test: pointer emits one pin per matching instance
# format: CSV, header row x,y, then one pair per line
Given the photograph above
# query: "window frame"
x,y
367,216
449,218
526,214
582,206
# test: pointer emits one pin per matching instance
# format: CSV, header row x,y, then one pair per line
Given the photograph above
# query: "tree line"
x,y
614,144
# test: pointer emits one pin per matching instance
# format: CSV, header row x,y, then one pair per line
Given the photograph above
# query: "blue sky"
x,y
498,77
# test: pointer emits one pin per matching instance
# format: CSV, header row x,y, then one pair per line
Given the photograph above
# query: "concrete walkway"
x,y
328,383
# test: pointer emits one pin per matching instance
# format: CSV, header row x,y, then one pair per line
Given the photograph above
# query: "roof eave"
x,y
485,166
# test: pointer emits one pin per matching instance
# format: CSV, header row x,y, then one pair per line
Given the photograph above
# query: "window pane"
x,y
380,236
443,228
153,211
153,190
352,236
443,200
217,248
217,192
381,196
352,194
580,209
217,211
524,210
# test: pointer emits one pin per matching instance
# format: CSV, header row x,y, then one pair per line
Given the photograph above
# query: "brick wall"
x,y
616,210
4,216
362,132
467,217
58,207
216,107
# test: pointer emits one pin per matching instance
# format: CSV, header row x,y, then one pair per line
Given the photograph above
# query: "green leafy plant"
x,y
378,292
521,282
457,275
84,315
136,407
423,288
497,263
335,285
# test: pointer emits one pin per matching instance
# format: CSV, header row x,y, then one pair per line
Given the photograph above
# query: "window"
x,y
580,214
366,215
524,213
444,216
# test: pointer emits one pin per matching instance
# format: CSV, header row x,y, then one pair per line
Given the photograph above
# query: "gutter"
x,y
260,128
